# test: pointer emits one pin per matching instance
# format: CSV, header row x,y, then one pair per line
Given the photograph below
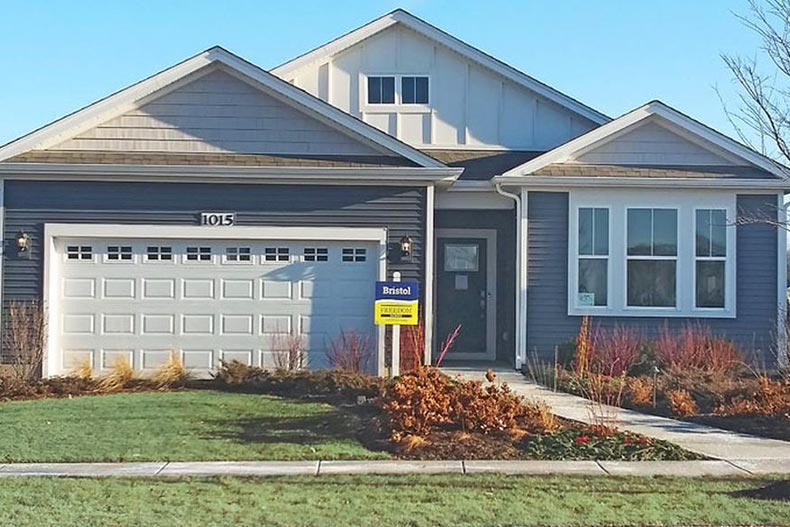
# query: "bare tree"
x,y
25,337
761,117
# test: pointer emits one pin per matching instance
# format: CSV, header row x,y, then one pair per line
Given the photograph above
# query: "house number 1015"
x,y
217,219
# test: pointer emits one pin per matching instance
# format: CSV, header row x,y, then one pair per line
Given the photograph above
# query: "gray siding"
x,y
31,204
548,323
504,223
217,112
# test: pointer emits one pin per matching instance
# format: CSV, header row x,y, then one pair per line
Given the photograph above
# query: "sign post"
x,y
397,304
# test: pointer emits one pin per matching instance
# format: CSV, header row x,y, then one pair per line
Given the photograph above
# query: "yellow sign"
x,y
397,313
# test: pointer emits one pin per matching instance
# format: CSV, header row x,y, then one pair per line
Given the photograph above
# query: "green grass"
x,y
184,426
361,501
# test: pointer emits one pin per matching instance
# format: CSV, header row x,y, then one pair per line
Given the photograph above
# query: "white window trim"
x,y
397,105
574,262
650,257
687,202
729,267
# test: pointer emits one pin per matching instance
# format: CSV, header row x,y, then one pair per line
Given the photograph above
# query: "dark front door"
x,y
462,297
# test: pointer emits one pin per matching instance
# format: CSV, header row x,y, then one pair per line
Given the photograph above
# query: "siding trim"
x,y
782,355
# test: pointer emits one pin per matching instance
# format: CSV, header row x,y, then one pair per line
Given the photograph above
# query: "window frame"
x,y
618,201
399,105
575,257
726,259
652,257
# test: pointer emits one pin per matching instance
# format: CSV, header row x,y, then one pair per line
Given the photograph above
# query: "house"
x,y
216,208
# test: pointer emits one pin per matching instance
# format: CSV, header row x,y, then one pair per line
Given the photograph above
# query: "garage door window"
x,y
354,254
276,254
238,255
119,253
79,252
198,254
316,254
156,253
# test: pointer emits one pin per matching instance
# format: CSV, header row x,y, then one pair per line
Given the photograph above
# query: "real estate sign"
x,y
397,303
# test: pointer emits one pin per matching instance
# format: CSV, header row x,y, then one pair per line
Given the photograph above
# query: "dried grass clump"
x,y
681,403
120,375
172,373
84,370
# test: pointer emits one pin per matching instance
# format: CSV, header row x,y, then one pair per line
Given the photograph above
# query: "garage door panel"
x,y
160,301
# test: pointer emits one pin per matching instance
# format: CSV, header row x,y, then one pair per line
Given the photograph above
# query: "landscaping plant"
x,y
288,351
119,376
25,338
172,373
349,351
693,347
681,403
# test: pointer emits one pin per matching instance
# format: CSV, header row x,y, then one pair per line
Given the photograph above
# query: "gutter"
x,y
634,182
403,176
521,276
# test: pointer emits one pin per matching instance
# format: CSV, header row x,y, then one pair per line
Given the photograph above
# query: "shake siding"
x,y
31,204
548,323
217,113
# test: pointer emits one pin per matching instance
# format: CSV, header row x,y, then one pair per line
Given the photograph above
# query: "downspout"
x,y
520,309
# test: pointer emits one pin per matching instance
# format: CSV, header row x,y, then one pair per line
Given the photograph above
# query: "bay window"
x,y
651,253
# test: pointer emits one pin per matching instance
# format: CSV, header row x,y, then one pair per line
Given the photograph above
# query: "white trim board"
x,y
53,231
310,175
400,16
128,98
490,235
652,110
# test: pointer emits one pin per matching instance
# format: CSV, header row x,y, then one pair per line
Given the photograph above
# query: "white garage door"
x,y
208,300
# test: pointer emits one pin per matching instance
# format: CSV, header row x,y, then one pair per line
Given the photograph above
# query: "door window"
x,y
461,257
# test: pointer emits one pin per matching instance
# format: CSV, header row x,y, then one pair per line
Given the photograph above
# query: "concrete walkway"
x,y
739,449
328,468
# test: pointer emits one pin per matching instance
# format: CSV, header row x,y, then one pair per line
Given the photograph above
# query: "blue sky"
x,y
612,55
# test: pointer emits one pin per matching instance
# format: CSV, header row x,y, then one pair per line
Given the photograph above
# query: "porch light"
x,y
405,246
22,241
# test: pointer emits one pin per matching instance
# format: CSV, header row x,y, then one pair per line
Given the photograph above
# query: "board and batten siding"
x,y
468,103
217,112
652,144
31,204
549,325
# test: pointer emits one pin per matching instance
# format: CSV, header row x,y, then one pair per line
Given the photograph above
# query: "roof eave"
x,y
639,182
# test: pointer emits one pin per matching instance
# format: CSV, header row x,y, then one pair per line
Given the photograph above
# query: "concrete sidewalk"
x,y
710,442
328,468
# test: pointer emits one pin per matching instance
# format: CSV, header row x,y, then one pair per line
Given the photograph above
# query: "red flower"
x,y
582,439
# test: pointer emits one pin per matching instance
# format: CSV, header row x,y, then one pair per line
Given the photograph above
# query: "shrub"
x,y
118,378
694,347
447,344
681,403
341,384
172,372
769,398
412,348
349,351
417,402
539,417
614,351
585,346
25,338
640,390
485,409
288,351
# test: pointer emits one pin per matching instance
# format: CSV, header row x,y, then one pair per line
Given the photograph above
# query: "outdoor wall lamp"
x,y
23,242
405,246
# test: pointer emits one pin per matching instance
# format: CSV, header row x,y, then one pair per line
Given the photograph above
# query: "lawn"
x,y
415,501
185,426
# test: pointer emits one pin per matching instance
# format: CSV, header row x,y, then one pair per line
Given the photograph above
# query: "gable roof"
x,y
652,111
127,99
400,16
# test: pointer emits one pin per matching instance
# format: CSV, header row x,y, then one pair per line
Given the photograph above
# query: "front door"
x,y
465,293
